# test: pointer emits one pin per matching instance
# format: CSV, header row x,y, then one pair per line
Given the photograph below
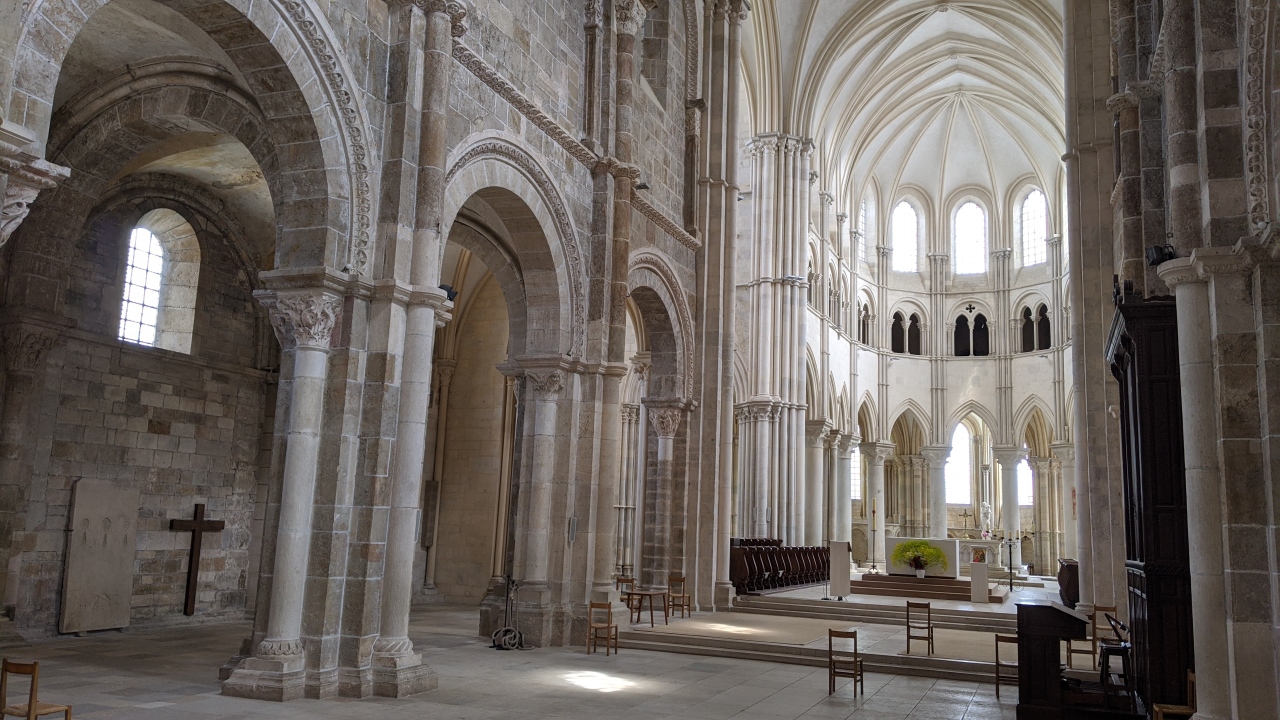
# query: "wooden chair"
x,y
843,664
678,596
1002,666
596,628
1161,710
32,708
626,585
917,630
1100,631
1118,689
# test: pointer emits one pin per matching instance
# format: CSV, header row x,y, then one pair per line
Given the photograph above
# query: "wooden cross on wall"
x,y
197,527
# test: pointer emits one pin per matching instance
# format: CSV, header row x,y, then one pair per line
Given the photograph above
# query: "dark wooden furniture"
x,y
678,595
1069,582
601,628
650,595
918,629
1009,678
32,708
626,587
1041,629
842,663
1142,350
1160,711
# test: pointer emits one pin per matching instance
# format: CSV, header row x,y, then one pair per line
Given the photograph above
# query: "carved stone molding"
x,y
25,346
656,264
671,227
303,318
630,413
546,385
1256,97
665,420
279,649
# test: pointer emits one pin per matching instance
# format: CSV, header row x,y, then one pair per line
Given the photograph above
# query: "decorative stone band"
x,y
302,318
279,649
546,385
1257,99
28,175
393,647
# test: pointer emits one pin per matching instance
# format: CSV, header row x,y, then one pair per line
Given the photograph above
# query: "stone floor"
x,y
170,674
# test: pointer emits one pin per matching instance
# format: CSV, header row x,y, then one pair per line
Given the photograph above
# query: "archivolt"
x,y
650,268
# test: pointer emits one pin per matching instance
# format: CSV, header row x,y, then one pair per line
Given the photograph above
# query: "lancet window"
x,y
970,250
958,472
1035,230
972,338
906,238
1035,329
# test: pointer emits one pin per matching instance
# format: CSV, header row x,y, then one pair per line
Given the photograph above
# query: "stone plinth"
x,y
262,679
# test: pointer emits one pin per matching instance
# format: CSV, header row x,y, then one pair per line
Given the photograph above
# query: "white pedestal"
x,y
978,577
839,568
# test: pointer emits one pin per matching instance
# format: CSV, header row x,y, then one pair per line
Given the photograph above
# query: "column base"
x,y
400,676
355,682
321,684
275,680
725,593
533,615
428,596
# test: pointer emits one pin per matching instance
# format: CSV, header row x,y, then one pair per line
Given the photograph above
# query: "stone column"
x,y
610,472
627,500
26,343
876,454
666,422
1066,455
546,386
1010,522
304,320
397,670
444,370
936,493
842,516
1204,489
1046,513
815,472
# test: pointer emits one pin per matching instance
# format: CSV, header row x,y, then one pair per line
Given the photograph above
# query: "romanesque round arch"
x,y
497,161
648,268
291,54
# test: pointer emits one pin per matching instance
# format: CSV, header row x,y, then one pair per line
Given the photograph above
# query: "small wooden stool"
x,y
32,708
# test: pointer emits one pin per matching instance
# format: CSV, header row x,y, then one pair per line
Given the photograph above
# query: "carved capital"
x,y
629,16
935,456
630,413
665,420
815,432
546,385
303,318
28,175
1121,101
1008,457
876,453
25,346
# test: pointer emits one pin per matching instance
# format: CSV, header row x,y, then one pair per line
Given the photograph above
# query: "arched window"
x,y
1028,331
861,231
1026,485
813,284
1044,340
913,335
140,308
1035,228
864,325
981,336
855,469
897,334
958,472
970,240
906,238
962,337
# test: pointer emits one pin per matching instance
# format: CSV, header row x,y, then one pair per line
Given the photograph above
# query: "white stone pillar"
x,y
1066,455
627,499
814,485
546,387
1010,520
876,454
937,491
304,320
842,517
1204,489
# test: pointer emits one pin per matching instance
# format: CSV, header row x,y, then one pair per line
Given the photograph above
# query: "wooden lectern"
x,y
1042,627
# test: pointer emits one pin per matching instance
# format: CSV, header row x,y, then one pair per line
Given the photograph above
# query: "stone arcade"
x,y
422,298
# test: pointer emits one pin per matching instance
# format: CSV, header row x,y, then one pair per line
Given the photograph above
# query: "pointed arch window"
x,y
813,284
958,471
1044,339
855,470
981,336
897,334
913,335
1028,331
1035,228
970,240
906,238
1026,484
861,231
963,337
864,325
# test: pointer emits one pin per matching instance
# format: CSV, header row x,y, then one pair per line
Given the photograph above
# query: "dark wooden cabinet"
x,y
1142,350
1041,629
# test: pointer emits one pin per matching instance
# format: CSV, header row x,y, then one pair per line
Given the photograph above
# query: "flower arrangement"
x,y
919,555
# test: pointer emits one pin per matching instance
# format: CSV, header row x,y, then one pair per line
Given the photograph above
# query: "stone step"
x,y
944,668
855,612
925,588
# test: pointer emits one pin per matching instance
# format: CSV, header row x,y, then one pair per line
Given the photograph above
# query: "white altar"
x,y
949,547
981,551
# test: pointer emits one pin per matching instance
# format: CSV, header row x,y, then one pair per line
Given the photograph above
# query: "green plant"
x,y
919,555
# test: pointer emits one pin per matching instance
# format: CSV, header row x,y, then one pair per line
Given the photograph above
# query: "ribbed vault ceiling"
x,y
942,96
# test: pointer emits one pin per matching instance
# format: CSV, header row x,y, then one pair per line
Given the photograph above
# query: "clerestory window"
x,y
906,238
1035,228
140,308
970,251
